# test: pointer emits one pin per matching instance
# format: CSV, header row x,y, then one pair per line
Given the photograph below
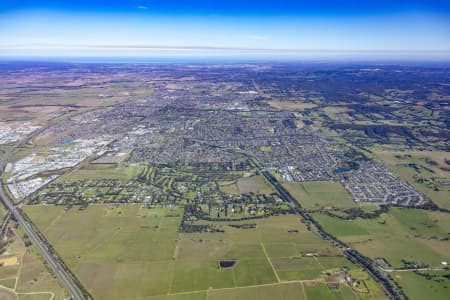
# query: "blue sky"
x,y
174,27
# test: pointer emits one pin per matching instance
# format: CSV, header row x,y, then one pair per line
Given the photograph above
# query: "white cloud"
x,y
142,7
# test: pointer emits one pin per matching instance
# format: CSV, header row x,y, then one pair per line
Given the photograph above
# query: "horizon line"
x,y
50,46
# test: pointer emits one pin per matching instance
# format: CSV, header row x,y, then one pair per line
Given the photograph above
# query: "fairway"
x,y
320,194
140,253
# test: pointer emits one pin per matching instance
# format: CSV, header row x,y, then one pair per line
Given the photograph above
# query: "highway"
x,y
58,269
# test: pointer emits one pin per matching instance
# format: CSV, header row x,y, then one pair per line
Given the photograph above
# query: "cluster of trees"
x,y
413,265
190,211
355,212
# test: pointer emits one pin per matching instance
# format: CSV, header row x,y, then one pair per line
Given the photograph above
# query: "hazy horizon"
x,y
415,30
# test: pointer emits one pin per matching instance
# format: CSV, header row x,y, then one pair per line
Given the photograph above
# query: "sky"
x,y
283,28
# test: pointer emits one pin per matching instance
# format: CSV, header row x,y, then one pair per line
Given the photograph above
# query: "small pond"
x,y
229,263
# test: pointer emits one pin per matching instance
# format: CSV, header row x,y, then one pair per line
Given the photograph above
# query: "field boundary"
x,y
270,262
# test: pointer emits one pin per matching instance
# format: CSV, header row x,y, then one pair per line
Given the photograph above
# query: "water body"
x,y
227,263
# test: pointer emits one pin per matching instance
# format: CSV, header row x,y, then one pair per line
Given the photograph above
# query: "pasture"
x,y
102,171
292,105
425,170
22,271
141,254
402,234
320,194
419,287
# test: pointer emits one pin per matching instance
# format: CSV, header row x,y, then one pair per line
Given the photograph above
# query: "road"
x,y
58,269
353,255
378,274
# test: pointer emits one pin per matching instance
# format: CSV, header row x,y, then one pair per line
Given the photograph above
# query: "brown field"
x,y
254,184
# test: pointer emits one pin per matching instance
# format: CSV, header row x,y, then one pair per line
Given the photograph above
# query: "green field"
x,y
419,287
132,248
413,235
423,170
401,234
103,171
141,255
320,194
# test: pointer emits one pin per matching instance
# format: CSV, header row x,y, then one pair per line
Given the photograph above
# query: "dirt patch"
x,y
9,261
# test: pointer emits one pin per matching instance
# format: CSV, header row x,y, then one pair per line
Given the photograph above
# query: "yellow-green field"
x,y
132,248
141,255
320,194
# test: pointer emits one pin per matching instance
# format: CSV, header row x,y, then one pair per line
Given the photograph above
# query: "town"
x,y
228,170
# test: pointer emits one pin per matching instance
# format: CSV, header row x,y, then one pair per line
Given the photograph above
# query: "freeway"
x,y
58,269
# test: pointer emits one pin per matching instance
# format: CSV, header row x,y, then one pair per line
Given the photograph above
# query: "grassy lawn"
x,y
320,194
